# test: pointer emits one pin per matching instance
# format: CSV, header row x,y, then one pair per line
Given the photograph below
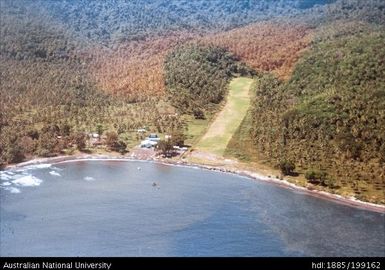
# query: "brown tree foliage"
x,y
136,68
266,46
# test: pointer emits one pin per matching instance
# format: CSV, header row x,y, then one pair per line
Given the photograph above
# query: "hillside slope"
x,y
69,68
329,117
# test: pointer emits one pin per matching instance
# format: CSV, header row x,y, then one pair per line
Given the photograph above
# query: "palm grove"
x,y
113,67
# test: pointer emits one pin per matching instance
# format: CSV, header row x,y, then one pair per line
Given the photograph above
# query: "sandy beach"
x,y
350,201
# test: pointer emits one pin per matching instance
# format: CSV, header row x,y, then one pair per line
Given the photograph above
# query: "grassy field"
x,y
228,120
196,128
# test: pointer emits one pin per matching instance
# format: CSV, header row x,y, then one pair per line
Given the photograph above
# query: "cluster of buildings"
x,y
151,141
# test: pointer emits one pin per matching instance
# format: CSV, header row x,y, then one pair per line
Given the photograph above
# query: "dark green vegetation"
x,y
318,177
118,21
287,167
329,118
165,148
197,77
371,11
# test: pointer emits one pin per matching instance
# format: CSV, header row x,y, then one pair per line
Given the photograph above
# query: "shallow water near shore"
x,y
120,208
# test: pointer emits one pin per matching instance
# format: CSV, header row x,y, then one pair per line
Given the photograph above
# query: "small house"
x,y
153,137
93,135
148,144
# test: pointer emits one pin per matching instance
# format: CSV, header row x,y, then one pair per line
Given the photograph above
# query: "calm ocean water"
x,y
113,208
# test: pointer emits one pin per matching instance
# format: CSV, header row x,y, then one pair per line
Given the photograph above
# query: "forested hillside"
x,y
117,21
371,11
329,118
197,77
73,67
68,67
265,46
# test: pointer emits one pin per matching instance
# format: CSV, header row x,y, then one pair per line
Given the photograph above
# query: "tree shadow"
x,y
86,151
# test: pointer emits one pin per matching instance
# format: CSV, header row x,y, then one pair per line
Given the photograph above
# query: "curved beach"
x,y
350,201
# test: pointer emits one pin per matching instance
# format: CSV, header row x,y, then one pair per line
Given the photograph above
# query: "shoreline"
x,y
255,176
